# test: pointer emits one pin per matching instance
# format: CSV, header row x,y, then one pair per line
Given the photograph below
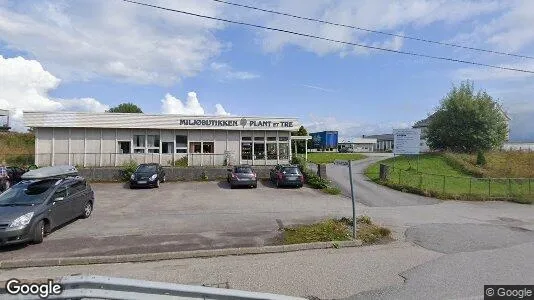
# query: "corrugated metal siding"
x,y
118,120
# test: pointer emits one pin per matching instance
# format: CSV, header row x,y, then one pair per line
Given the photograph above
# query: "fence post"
x,y
443,184
529,190
470,184
509,187
420,181
400,172
489,187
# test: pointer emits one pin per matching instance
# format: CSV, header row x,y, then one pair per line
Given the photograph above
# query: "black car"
x,y
287,175
32,208
242,175
147,175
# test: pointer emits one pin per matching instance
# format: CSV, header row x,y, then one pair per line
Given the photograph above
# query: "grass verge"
x,y
315,181
332,230
330,157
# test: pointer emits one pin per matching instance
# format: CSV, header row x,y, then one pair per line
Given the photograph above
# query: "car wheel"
x,y
157,183
255,186
232,186
87,210
38,233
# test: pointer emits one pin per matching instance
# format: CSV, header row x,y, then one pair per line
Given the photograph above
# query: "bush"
x,y
363,220
127,169
182,162
481,158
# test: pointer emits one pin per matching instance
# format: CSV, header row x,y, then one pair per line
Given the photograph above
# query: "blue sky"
x,y
84,55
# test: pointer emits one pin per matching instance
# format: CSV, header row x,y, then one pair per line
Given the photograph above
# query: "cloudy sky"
x,y
88,55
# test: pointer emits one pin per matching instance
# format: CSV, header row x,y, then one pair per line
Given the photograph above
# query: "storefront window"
x,y
139,141
271,151
153,141
283,138
284,150
271,138
246,151
195,147
259,151
181,144
207,147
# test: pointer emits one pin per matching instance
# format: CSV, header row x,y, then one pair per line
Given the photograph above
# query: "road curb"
x,y
89,260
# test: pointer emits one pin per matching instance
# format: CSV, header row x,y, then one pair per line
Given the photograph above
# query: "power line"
x,y
331,40
374,31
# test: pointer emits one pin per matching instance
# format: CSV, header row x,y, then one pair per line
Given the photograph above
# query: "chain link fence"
x,y
457,186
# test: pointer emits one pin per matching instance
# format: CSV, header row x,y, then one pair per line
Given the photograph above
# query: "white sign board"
x,y
407,141
341,162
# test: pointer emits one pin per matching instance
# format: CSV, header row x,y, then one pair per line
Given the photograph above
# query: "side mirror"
x,y
58,199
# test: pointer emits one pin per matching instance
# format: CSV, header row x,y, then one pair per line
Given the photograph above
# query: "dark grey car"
x,y
32,208
242,175
287,175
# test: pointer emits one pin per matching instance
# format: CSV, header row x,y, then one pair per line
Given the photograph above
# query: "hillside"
x,y
17,148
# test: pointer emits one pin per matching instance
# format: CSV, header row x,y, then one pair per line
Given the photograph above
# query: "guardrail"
x,y
101,287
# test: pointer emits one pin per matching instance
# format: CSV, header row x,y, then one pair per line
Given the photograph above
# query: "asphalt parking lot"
x,y
182,216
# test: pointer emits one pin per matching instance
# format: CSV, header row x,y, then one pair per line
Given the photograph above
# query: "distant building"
x,y
384,142
4,120
324,140
357,145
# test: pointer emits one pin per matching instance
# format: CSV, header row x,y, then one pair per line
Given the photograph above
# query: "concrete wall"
x,y
107,174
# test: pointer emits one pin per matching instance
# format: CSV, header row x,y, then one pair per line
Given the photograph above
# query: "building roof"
x,y
358,141
152,121
380,137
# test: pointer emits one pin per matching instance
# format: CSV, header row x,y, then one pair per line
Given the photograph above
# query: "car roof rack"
x,y
54,172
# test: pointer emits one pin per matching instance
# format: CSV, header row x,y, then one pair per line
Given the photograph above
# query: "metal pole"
x,y
418,155
489,187
509,187
443,184
470,184
353,203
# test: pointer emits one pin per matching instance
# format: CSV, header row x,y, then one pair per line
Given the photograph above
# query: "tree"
x,y
300,144
126,108
467,122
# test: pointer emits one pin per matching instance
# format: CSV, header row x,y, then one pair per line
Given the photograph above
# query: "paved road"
x,y
182,216
444,249
367,192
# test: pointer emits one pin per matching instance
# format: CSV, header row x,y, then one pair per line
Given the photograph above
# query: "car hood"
x,y
10,213
144,174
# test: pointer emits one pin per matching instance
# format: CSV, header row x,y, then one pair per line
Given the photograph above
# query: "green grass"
x,y
435,175
330,157
325,231
336,230
332,190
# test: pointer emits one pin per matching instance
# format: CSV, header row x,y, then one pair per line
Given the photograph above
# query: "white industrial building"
x,y
357,145
111,139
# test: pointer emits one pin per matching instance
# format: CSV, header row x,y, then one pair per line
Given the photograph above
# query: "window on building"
x,y
246,138
271,138
259,138
181,144
125,147
139,150
208,147
271,151
166,147
153,141
259,151
283,150
283,138
153,150
139,141
195,147
246,151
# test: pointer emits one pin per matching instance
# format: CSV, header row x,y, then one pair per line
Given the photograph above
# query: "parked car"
x,y
242,175
33,207
147,175
287,175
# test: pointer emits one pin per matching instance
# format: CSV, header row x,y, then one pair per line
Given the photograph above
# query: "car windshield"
x,y
244,170
27,193
291,170
146,168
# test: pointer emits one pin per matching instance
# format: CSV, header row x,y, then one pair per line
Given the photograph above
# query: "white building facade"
x,y
112,139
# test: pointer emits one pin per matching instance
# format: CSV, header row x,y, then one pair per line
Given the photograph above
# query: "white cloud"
x,y
192,107
88,38
24,85
227,72
220,111
382,15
